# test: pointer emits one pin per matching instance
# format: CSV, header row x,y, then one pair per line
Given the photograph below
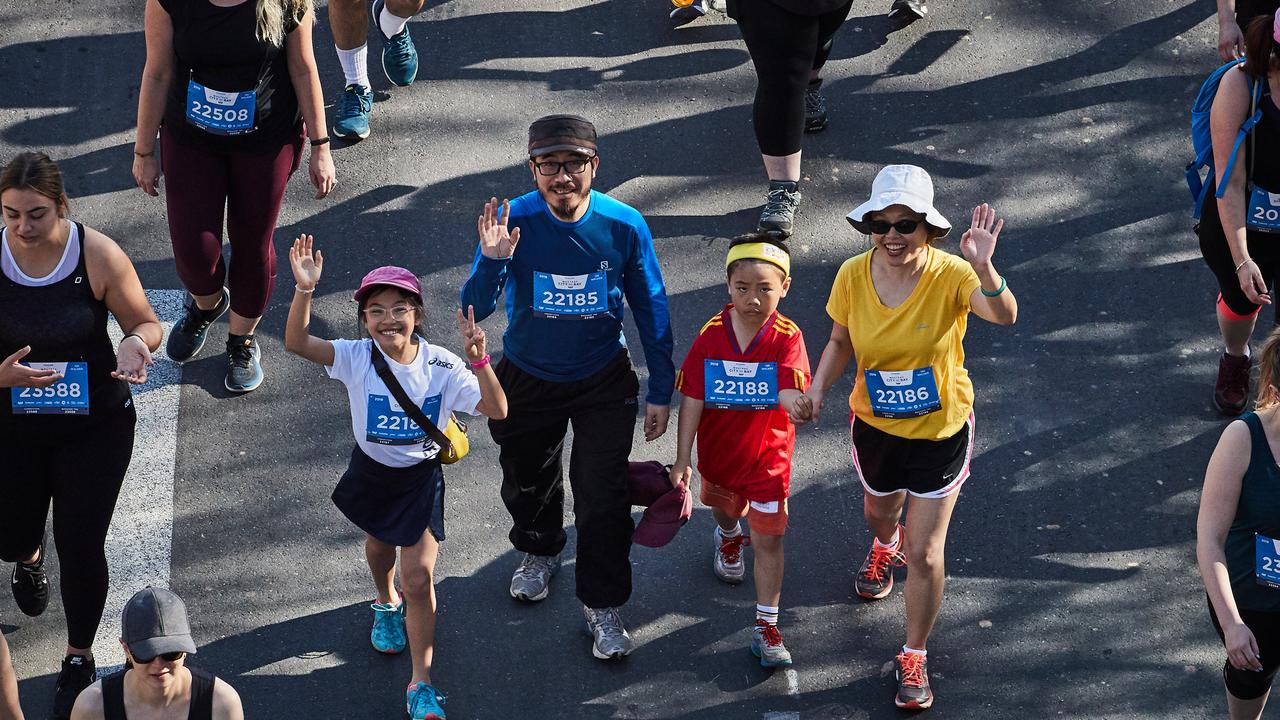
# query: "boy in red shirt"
x,y
740,382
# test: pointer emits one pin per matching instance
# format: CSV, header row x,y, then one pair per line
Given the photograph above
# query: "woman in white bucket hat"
x,y
900,310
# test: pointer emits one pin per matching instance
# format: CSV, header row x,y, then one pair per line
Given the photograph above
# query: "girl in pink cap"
x,y
394,487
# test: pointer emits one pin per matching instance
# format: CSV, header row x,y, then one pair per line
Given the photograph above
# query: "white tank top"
x,y
66,266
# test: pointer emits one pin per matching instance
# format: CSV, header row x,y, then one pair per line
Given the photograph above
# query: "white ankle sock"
x,y
355,65
906,649
735,532
893,542
391,25
767,614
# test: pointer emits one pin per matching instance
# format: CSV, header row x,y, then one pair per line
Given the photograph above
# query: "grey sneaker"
x,y
611,641
727,558
684,15
532,579
815,107
766,644
780,208
188,335
244,364
905,12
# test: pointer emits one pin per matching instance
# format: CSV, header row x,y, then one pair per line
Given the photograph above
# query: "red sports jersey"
x,y
747,451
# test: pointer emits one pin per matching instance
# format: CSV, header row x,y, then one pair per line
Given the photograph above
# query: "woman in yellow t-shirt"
x,y
901,310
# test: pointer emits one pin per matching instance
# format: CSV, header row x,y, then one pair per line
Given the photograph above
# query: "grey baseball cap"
x,y
155,623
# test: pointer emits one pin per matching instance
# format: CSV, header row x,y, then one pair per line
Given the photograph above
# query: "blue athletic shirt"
x,y
612,238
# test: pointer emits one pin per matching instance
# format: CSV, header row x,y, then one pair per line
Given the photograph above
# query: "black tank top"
x,y
62,322
1265,170
201,696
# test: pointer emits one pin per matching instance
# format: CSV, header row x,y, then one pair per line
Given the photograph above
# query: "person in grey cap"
x,y
9,708
156,683
564,362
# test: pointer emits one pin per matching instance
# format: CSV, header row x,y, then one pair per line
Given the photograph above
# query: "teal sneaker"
x,y
424,702
351,119
399,56
388,634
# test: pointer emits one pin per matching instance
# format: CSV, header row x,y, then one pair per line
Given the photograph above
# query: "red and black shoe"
x,y
875,578
911,670
1231,392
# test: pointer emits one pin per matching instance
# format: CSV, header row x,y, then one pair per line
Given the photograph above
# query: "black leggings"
x,y
79,465
785,48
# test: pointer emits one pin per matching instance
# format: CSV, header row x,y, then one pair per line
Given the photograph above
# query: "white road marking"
x,y
793,682
140,541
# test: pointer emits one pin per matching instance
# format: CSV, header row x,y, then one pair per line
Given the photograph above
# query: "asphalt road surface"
x,y
1072,585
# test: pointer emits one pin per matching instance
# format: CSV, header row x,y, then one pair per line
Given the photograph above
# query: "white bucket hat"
x,y
900,185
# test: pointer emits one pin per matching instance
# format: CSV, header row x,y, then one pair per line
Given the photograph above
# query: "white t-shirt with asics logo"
x,y
439,381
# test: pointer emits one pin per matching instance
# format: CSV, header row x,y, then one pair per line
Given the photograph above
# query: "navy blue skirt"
x,y
394,505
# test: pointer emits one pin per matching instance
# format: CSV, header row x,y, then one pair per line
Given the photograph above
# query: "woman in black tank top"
x,y
66,414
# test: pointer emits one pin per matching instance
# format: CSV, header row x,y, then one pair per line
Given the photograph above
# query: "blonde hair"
x,y
272,15
1269,373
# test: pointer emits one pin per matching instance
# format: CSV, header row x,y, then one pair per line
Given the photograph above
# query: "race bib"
x,y
1266,569
1264,210
221,113
570,297
902,393
387,423
731,385
68,396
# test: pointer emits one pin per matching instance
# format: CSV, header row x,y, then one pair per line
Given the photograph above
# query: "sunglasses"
x,y
904,227
167,657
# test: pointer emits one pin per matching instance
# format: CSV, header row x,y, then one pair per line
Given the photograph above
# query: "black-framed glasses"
x,y
378,314
167,657
904,227
552,168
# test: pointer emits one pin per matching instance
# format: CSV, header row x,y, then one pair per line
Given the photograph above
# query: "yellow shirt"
x,y
922,338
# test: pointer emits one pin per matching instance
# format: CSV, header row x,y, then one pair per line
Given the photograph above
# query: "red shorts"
x,y
765,518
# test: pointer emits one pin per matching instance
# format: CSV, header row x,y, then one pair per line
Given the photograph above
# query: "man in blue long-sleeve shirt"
x,y
565,257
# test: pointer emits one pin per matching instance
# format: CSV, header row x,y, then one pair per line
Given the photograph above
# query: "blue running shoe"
x,y
244,364
351,120
388,635
424,702
399,56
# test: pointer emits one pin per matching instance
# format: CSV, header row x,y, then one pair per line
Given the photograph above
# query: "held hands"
x,y
681,472
146,172
306,265
806,407
1252,284
1242,647
320,167
495,240
132,360
473,339
13,374
979,242
655,421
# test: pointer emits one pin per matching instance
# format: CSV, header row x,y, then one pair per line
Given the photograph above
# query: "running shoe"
x,y
532,579
684,15
780,208
388,634
187,337
351,119
875,577
815,107
610,640
399,56
911,670
726,560
244,364
1231,392
424,702
908,11
30,585
78,672
766,644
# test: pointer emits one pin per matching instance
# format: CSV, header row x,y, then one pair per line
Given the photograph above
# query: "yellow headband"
x,y
768,252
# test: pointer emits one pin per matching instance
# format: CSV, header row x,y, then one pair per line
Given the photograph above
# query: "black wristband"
x,y
322,141
126,337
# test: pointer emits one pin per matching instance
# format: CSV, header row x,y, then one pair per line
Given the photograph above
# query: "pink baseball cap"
x,y
389,275
669,508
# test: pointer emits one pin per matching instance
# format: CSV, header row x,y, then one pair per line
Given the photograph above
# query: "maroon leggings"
x,y
200,185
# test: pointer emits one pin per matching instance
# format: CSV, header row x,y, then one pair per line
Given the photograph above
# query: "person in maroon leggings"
x,y
227,86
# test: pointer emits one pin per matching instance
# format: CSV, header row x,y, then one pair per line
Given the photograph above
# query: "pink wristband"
x,y
482,362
